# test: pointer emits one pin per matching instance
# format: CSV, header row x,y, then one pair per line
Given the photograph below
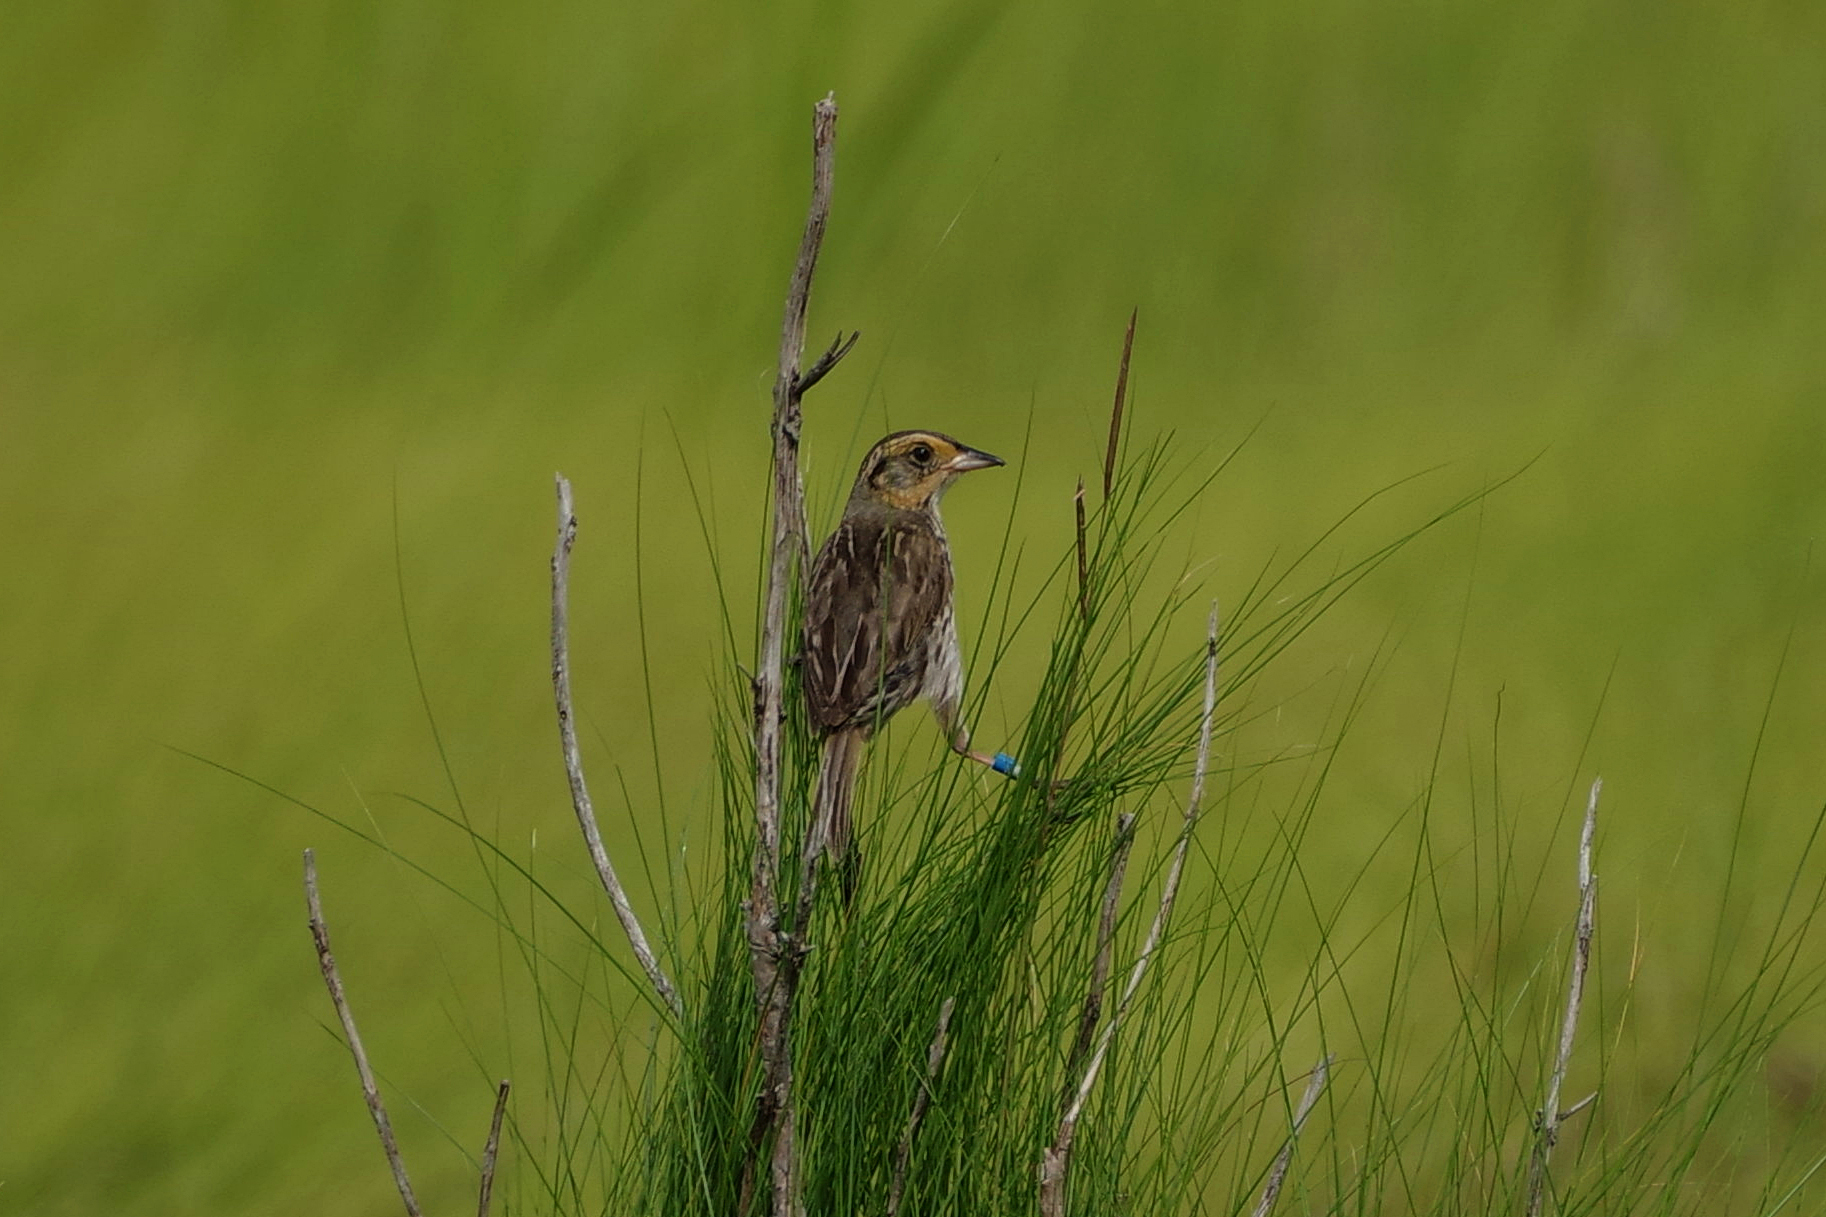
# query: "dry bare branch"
x,y
775,955
490,1150
1106,941
935,1058
1122,392
332,980
1055,1163
1277,1175
1548,1121
573,758
833,354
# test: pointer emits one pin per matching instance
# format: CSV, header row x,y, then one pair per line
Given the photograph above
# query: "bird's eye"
x,y
921,453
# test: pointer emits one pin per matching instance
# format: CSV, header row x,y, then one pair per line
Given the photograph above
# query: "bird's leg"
x,y
1001,762
952,723
960,744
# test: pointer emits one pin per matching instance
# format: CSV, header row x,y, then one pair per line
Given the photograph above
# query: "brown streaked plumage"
x,y
879,631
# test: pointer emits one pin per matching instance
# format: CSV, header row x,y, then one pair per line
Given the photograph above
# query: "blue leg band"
x,y
1006,764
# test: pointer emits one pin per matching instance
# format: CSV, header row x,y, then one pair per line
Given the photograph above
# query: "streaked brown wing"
x,y
877,588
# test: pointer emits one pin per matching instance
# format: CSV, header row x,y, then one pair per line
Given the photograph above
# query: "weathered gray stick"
x,y
573,758
1277,1175
1055,1162
492,1149
774,953
332,980
1548,1130
935,1058
1106,941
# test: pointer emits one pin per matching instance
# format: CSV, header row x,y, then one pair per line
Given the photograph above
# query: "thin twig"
x,y
1277,1175
774,954
1106,941
573,758
491,1149
1122,391
1055,1163
1084,570
1548,1121
935,1057
320,933
833,354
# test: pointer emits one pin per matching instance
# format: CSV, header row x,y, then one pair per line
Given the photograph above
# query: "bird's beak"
x,y
969,458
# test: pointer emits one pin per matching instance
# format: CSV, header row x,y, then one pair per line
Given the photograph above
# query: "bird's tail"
x,y
836,786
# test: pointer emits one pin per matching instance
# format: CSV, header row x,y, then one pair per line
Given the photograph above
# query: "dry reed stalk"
x,y
1106,941
935,1058
370,1090
573,757
775,952
1277,1175
491,1150
1055,1162
1550,1118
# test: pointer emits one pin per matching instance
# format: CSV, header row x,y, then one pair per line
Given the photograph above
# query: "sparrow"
x,y
879,628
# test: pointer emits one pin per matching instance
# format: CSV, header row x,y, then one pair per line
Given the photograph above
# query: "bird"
x,y
879,630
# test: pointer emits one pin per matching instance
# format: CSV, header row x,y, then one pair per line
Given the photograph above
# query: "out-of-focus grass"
x,y
266,273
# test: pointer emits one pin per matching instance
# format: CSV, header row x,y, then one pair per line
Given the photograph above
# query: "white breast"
x,y
944,686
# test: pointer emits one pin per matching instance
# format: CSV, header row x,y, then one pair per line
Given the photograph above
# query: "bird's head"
x,y
910,469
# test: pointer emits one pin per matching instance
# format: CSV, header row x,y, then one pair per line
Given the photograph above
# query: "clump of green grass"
x,y
1436,1011
980,902
980,895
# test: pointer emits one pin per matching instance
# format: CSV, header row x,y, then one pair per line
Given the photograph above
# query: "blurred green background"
x,y
285,285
